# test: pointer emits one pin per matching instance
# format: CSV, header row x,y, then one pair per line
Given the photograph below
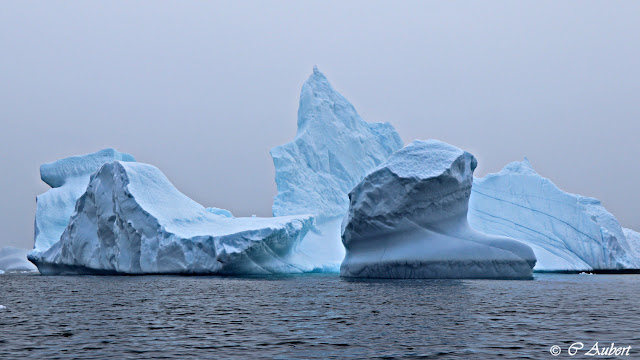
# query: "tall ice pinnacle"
x,y
332,152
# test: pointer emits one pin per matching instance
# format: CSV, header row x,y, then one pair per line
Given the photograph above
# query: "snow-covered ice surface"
x,y
331,153
68,179
408,219
567,232
132,220
14,259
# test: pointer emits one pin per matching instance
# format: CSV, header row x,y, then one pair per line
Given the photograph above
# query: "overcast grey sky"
x,y
203,90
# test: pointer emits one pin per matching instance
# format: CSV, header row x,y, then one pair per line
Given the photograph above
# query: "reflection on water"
x,y
312,316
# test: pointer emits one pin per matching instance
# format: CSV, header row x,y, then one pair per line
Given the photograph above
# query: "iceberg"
x,y
132,220
68,179
100,216
567,232
333,150
14,259
408,219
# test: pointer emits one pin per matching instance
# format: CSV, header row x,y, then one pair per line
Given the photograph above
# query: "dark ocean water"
x,y
313,316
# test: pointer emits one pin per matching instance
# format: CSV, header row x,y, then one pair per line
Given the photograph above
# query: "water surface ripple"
x,y
312,316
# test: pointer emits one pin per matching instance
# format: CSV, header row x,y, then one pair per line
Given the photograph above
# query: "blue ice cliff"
x,y
408,219
68,179
131,220
331,153
567,232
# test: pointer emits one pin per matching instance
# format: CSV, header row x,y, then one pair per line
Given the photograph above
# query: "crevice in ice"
x,y
537,211
551,249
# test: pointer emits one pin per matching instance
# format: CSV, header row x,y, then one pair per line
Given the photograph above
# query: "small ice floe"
x,y
2,307
586,273
1,272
